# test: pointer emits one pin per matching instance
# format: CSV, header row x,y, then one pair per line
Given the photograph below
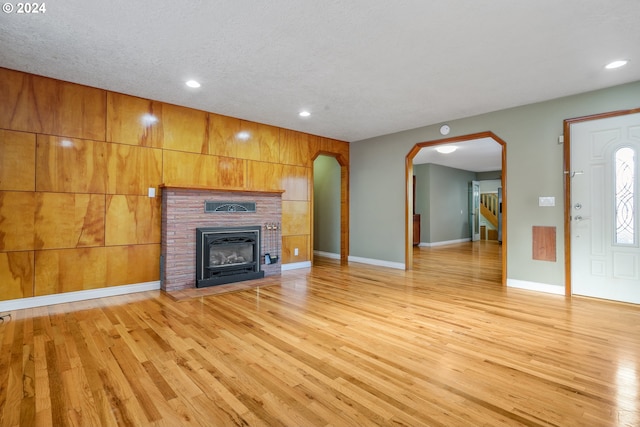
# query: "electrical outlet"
x,y
295,252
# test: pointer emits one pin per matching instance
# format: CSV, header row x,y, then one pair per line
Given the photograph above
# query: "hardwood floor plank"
x,y
444,344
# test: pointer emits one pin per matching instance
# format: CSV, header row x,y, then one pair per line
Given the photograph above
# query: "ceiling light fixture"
x,y
304,114
616,64
192,83
447,149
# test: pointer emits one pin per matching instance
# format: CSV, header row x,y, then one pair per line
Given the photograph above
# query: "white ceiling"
x,y
363,68
477,155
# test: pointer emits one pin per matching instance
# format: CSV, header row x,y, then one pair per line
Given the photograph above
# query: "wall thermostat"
x,y
445,129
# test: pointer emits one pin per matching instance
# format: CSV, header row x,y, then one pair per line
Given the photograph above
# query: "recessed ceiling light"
x,y
192,83
304,114
447,149
616,64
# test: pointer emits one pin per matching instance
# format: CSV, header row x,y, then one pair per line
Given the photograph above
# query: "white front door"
x,y
605,201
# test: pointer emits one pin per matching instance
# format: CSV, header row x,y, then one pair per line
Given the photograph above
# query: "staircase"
x,y
489,207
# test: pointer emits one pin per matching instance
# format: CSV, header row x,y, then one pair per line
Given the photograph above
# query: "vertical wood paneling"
x,y
185,129
294,148
38,104
69,270
132,220
16,275
296,218
186,169
17,220
76,192
344,213
132,264
263,176
290,243
296,182
65,220
71,165
134,121
224,135
132,170
339,148
17,168
261,142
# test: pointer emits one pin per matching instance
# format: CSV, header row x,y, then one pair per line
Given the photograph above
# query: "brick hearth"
x,y
183,212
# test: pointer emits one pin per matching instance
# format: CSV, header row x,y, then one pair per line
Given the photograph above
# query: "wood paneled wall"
x,y
76,164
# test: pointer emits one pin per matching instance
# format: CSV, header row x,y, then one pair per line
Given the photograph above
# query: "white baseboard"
x,y
22,303
326,254
379,262
444,243
296,265
534,286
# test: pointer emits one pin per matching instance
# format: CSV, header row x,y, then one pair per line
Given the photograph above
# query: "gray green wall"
x,y
534,168
442,201
326,205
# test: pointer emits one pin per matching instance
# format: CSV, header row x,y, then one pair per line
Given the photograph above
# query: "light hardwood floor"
x,y
442,345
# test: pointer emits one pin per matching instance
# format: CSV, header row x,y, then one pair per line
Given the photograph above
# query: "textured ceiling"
x,y
478,155
363,68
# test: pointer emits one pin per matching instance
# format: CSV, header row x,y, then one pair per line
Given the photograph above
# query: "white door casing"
x,y
605,197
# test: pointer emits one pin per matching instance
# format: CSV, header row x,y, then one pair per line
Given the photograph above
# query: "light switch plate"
x,y
152,192
546,201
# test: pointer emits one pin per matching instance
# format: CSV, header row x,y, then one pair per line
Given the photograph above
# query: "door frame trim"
x,y
408,206
566,167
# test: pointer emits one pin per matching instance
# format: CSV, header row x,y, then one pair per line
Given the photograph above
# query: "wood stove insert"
x,y
227,255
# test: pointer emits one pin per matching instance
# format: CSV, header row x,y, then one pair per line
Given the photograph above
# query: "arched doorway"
x,y
409,191
344,205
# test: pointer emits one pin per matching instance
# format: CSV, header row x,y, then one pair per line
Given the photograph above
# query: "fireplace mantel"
x,y
222,190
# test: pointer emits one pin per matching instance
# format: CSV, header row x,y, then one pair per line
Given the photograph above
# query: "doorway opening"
x,y
410,192
330,210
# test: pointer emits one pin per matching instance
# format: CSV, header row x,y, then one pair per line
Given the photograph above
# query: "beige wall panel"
x,y
132,170
261,143
185,129
186,169
65,220
127,265
16,275
17,166
68,270
132,220
294,148
38,104
224,135
296,218
296,182
17,212
290,243
134,121
71,165
264,176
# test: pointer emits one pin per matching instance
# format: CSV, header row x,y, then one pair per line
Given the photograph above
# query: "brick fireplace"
x,y
183,212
